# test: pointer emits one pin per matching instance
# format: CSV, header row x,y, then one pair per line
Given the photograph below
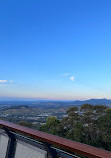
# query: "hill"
x,y
54,104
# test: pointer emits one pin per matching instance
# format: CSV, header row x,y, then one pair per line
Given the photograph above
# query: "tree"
x,y
104,125
51,125
77,133
91,125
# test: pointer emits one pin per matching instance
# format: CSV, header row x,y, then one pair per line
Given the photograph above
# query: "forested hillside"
x,y
89,124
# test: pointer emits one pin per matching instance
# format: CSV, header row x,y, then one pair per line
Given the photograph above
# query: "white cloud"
x,y
10,81
66,74
2,81
72,78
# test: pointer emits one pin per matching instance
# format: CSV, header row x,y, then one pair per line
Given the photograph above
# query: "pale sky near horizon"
x,y
55,49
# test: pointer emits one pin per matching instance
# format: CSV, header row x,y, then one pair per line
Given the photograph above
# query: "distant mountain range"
x,y
93,102
48,103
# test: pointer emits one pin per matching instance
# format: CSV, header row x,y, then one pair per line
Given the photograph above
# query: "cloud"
x,y
10,81
66,74
3,81
72,78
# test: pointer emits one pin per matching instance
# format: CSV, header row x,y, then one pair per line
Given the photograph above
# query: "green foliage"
x,y
90,124
87,107
51,125
72,110
77,133
104,125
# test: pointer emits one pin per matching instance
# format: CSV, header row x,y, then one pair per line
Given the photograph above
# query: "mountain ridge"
x,y
53,103
103,101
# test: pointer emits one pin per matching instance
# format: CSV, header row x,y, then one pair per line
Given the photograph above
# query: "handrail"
x,y
70,145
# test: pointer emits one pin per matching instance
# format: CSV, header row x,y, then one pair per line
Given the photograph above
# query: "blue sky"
x,y
55,49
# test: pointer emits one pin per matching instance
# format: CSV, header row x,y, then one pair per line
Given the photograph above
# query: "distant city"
x,y
38,111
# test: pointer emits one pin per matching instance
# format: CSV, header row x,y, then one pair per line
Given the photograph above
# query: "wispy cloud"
x,y
10,81
3,81
72,78
65,74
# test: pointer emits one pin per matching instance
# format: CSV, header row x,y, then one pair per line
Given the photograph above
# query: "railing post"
x,y
51,152
10,153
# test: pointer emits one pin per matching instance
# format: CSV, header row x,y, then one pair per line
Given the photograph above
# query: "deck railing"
x,y
48,142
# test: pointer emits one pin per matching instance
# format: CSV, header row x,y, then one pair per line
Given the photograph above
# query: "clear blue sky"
x,y
55,49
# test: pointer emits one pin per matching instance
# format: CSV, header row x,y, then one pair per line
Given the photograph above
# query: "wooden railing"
x,y
69,145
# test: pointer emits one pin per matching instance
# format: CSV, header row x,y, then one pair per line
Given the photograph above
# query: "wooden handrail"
x,y
70,145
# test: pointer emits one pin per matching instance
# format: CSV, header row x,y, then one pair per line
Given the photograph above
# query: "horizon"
x,y
46,100
56,50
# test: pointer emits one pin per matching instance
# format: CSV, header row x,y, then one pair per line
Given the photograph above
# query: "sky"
x,y
55,49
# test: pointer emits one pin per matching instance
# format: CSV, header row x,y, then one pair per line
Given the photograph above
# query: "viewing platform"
x,y
21,142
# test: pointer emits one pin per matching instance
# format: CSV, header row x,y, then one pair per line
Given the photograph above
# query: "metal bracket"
x,y
10,153
50,151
